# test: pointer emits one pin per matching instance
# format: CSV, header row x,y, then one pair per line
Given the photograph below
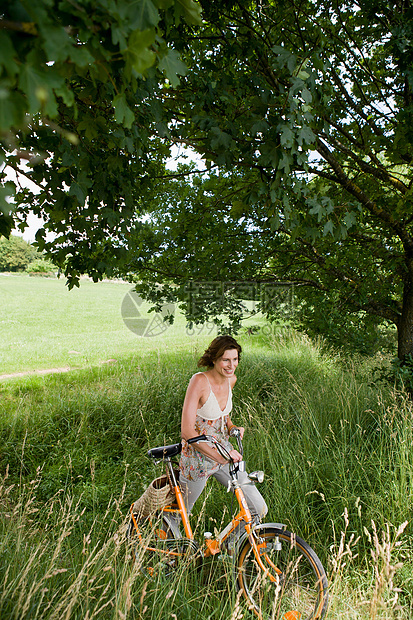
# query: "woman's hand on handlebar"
x,y
236,429
220,458
235,456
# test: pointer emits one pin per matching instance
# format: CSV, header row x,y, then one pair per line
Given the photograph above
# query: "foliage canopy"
x,y
76,87
302,112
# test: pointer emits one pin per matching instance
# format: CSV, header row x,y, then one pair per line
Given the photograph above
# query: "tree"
x,y
16,254
77,102
310,103
196,248
305,109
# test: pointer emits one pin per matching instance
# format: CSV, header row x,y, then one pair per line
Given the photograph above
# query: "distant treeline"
x,y
18,255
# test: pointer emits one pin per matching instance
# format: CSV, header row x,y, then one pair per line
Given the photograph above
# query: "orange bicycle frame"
x,y
213,545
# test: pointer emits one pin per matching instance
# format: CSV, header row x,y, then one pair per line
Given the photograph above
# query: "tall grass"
x,y
336,452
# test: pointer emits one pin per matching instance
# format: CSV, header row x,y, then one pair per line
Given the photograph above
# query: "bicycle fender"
x,y
259,526
173,525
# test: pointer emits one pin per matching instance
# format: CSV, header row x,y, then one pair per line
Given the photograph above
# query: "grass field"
x,y
335,446
44,325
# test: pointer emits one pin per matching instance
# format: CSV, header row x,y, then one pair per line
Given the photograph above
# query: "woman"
x,y
206,411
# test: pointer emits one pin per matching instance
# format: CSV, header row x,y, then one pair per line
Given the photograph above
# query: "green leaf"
x,y
316,207
328,228
220,139
284,58
192,11
119,37
275,222
138,55
81,56
89,127
6,209
139,14
286,136
350,219
57,43
12,109
162,130
123,113
80,187
239,208
8,54
259,127
172,66
306,95
305,136
285,163
77,191
38,83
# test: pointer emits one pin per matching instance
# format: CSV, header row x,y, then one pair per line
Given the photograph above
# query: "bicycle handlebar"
x,y
197,438
235,432
221,449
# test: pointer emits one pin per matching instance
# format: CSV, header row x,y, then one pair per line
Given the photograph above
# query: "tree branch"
x,y
358,193
379,173
26,27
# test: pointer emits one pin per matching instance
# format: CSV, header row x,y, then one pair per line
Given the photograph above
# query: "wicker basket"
x,y
158,495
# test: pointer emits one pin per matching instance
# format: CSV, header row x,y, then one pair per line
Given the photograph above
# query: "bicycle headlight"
x,y
256,476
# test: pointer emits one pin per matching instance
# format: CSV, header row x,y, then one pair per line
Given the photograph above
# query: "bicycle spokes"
x,y
292,586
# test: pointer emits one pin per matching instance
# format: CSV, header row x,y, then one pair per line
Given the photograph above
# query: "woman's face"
x,y
227,363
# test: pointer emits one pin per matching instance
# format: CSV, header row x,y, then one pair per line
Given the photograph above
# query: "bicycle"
x,y
278,573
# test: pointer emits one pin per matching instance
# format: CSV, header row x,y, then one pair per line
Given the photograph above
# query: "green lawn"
x,y
44,325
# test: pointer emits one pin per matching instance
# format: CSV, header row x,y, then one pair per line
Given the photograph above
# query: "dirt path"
x,y
47,371
27,373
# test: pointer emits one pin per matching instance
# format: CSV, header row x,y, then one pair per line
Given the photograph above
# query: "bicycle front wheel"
x,y
294,584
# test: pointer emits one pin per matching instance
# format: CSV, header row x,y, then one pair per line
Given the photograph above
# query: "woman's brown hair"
x,y
218,346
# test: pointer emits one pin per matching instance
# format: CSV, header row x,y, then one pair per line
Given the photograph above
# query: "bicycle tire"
x,y
300,591
162,551
156,533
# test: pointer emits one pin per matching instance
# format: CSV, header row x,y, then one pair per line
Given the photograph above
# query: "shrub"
x,y
15,254
41,266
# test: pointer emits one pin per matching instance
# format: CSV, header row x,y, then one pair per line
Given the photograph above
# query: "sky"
x,y
29,233
34,222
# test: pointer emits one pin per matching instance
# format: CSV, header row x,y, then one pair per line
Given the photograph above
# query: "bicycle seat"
x,y
165,452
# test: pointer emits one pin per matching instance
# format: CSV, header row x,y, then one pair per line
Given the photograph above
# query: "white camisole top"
x,y
211,410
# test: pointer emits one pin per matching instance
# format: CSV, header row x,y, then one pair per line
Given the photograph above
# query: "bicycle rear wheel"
x,y
156,548
295,587
150,544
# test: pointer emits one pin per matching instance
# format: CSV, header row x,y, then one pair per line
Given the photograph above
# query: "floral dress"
x,y
210,420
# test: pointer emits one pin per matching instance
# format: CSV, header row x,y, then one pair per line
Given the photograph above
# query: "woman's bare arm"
x,y
197,392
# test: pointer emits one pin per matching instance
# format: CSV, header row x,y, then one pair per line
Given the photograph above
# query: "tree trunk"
x,y
405,325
